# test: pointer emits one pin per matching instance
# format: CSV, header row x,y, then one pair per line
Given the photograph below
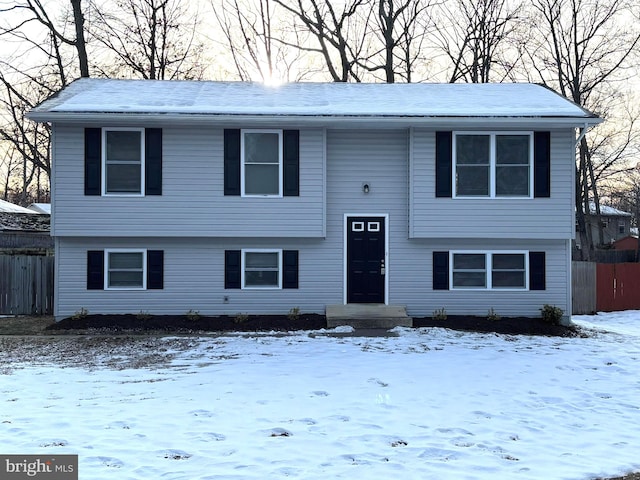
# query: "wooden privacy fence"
x,y
26,285
583,294
618,286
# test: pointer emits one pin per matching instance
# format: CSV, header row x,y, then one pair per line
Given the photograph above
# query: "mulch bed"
x,y
251,323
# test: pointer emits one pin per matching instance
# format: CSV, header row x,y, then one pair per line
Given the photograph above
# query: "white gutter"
x,y
302,120
583,132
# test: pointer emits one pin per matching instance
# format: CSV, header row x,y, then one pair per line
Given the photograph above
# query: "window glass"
x,y
469,270
492,165
123,161
508,270
261,269
261,147
512,165
262,163
472,165
125,269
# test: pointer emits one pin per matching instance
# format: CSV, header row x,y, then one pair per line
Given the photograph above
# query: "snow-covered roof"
x,y
609,211
8,207
41,208
24,222
417,100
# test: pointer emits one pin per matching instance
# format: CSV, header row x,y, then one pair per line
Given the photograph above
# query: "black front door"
x,y
365,259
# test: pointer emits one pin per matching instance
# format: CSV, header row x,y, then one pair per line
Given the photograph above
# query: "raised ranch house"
x,y
239,197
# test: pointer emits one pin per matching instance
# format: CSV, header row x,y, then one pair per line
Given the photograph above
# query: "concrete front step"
x,y
367,315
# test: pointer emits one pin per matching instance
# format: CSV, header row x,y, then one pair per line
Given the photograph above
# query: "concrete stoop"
x,y
366,315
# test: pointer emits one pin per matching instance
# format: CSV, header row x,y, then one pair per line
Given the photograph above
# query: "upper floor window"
x,y
123,161
493,164
261,163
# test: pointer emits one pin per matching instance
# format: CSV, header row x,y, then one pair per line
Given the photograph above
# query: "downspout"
x,y
583,132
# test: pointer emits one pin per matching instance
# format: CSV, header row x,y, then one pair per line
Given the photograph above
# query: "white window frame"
x,y
492,164
279,132
261,250
488,255
104,162
107,253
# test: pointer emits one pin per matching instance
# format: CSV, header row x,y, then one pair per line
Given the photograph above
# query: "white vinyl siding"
x,y
484,217
192,201
123,161
125,269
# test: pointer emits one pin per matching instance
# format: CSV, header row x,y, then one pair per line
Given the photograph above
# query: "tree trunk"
x,y
81,46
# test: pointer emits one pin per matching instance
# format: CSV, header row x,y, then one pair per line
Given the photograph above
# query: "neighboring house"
x,y
41,208
8,207
616,223
237,197
25,233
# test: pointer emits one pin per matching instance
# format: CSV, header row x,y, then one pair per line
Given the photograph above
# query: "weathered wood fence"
x,y
26,284
583,292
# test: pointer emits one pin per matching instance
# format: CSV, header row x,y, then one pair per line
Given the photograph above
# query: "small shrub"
x,y
80,314
440,314
552,314
142,315
193,315
240,318
294,314
493,315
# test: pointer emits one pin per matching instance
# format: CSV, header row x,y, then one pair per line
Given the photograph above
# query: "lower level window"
x,y
125,269
261,269
489,270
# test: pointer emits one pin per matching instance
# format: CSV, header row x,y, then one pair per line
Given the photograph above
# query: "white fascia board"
x,y
336,121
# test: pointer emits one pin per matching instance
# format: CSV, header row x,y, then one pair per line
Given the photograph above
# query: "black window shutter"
x,y
542,164
291,159
290,269
443,164
153,161
232,268
155,269
537,271
232,162
441,270
92,161
95,270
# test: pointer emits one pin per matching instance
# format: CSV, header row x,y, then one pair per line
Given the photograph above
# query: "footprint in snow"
x,y
175,454
378,382
54,443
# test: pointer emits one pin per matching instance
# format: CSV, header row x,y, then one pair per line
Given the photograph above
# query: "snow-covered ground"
x,y
425,404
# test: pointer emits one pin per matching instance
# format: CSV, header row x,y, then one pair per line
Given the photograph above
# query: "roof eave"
x,y
310,120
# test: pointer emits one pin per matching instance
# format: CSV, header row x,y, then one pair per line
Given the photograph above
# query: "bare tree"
x,y
339,32
581,48
473,36
36,12
257,39
57,56
399,28
155,39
